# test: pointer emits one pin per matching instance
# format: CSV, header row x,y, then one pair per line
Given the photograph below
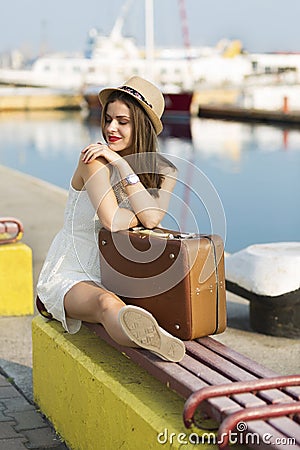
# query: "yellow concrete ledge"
x,y
97,398
16,284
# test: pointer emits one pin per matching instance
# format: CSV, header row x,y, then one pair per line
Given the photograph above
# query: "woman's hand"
x,y
94,151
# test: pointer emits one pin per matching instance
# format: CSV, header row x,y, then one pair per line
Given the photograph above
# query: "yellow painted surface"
x,y
39,102
214,97
97,398
233,49
16,283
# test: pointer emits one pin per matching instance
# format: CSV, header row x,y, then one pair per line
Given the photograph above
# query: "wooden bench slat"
x,y
238,359
232,372
211,377
246,363
286,426
218,363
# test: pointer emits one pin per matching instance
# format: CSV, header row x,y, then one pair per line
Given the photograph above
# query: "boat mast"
x,y
184,26
116,32
186,36
149,38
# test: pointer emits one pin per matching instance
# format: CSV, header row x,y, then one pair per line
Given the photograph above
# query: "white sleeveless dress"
x,y
73,255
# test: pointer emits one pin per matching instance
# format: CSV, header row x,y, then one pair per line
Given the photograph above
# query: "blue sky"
x,y
262,25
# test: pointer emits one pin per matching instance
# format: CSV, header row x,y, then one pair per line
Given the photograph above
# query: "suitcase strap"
x,y
207,236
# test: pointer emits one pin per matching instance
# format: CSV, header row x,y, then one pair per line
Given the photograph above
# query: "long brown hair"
x,y
145,157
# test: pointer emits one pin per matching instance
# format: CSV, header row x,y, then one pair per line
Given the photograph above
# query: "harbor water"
x,y
235,179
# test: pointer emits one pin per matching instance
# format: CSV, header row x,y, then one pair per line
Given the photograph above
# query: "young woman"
x,y
120,183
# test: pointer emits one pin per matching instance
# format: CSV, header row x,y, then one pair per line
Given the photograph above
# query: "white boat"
x,y
109,60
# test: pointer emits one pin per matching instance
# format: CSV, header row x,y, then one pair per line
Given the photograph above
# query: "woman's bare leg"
x,y
132,327
88,302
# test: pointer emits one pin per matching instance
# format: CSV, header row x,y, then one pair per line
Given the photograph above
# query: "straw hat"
x,y
146,93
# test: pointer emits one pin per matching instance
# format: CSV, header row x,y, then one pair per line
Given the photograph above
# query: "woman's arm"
x,y
96,180
149,210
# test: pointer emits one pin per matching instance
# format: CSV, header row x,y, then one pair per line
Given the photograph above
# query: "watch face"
x,y
132,179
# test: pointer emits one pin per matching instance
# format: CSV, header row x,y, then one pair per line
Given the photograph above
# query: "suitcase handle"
x,y
147,232
163,234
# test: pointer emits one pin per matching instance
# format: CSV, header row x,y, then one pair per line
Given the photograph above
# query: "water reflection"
x,y
255,169
48,133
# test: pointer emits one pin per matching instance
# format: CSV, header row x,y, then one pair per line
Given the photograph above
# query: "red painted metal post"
x,y
285,104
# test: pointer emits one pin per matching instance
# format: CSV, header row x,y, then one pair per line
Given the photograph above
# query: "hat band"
x,y
136,94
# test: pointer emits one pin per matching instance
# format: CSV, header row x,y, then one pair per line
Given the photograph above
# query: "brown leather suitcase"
x,y
179,278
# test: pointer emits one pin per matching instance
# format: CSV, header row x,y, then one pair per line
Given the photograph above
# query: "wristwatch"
x,y
131,179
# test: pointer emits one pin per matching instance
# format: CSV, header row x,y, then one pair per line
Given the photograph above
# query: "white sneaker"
x,y
141,327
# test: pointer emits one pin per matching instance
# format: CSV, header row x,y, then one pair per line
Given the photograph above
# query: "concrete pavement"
x,y
40,207
21,425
